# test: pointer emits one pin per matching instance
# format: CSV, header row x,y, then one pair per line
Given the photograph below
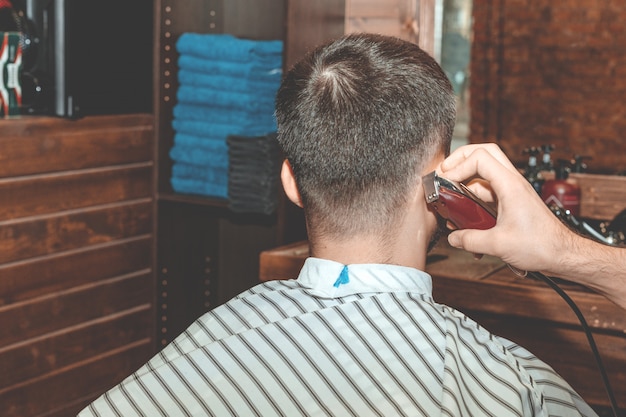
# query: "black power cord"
x,y
594,348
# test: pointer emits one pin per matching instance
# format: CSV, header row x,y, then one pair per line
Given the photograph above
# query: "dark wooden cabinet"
x,y
206,253
76,276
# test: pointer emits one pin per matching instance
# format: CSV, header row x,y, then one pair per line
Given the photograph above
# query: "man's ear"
x,y
289,184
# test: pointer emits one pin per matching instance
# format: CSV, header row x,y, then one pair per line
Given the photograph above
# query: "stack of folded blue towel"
x,y
227,86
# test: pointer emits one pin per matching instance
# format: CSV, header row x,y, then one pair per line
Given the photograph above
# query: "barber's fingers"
x,y
474,241
458,155
486,161
482,188
482,163
464,152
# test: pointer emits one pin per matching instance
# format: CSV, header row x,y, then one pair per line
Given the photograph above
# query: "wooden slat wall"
x,y
310,24
76,279
602,197
389,17
411,20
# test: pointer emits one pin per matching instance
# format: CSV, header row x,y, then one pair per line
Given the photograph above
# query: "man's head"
x,y
359,119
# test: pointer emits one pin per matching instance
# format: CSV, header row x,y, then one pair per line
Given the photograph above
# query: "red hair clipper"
x,y
460,206
457,203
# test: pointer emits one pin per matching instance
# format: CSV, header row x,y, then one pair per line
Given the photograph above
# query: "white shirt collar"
x,y
324,278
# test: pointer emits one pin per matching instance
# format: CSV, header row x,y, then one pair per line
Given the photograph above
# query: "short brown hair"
x,y
358,118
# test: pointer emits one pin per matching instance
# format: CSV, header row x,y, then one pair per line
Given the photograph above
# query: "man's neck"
x,y
409,252
405,242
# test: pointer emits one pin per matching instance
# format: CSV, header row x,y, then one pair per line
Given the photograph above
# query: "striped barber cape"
x,y
356,340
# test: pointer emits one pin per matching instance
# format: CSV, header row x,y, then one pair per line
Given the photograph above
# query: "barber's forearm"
x,y
527,235
597,266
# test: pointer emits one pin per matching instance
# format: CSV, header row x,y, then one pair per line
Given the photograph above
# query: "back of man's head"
x,y
359,118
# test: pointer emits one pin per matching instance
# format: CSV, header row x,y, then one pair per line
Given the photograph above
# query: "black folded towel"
x,y
253,173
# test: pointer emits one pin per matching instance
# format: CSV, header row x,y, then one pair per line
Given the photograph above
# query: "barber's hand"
x,y
527,234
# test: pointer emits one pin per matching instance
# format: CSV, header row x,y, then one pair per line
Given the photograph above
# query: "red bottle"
x,y
561,192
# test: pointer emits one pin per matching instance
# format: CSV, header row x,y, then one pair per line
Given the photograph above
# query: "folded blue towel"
x,y
216,175
261,121
200,128
199,187
209,114
199,156
233,69
226,99
249,84
229,48
217,130
210,145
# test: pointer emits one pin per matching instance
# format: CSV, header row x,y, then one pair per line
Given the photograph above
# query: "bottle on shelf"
x,y
561,192
546,159
532,172
578,163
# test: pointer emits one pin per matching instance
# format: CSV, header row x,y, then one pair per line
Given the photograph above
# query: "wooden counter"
x,y
521,309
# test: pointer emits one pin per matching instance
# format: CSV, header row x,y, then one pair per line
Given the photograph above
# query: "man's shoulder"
x,y
504,365
266,287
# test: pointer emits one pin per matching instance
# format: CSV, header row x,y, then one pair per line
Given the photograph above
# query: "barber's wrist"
x,y
564,254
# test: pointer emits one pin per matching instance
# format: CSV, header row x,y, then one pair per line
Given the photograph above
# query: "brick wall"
x,y
546,71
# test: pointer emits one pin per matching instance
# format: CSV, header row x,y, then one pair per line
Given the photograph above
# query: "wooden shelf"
x,y
193,199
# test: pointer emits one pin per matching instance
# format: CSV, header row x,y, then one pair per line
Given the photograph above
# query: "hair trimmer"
x,y
457,204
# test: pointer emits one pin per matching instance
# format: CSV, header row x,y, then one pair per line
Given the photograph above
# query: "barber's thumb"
x,y
471,240
461,239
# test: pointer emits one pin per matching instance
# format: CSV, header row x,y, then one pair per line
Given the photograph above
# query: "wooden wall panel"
x,y
41,194
76,254
411,20
48,234
266,20
311,23
73,386
49,274
388,17
602,197
56,311
92,147
22,361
